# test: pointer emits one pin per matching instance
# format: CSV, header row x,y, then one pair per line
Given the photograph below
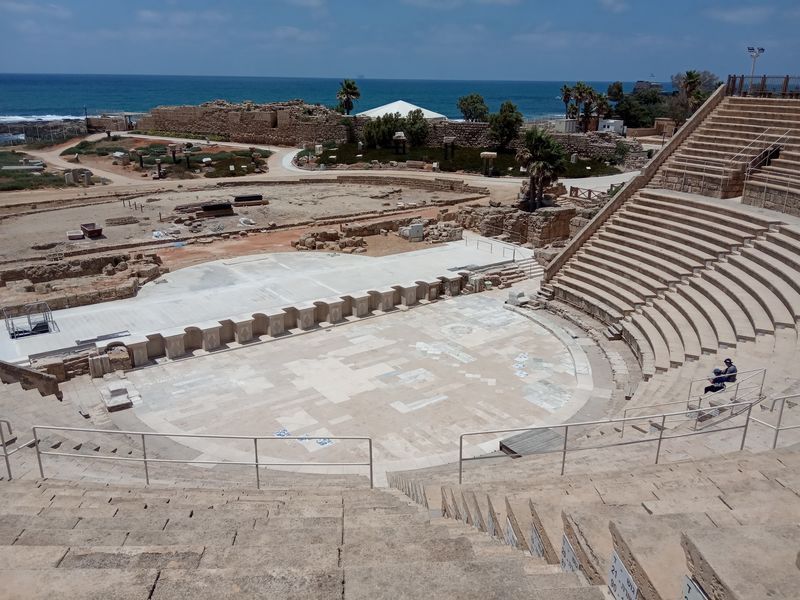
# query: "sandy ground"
x,y
291,203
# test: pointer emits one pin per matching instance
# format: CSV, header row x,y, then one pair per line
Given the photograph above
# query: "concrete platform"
x,y
225,288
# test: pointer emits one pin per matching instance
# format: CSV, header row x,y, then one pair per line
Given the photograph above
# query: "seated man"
x,y
717,382
730,371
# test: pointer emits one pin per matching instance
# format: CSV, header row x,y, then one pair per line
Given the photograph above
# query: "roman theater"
x,y
267,375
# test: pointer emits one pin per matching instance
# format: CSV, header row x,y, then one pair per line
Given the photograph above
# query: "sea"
x,y
48,97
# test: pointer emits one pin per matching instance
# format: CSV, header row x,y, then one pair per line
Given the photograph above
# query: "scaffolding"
x,y
31,319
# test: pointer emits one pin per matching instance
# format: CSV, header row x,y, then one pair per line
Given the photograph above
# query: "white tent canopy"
x,y
402,107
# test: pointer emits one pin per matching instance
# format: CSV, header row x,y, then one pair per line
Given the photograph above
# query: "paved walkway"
x,y
226,288
414,381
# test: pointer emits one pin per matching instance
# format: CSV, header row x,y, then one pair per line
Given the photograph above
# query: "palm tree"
x,y
603,106
544,159
348,92
589,101
566,98
579,93
690,86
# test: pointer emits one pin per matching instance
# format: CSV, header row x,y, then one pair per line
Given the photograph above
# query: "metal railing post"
x,y
660,436
778,424
144,460
746,426
371,482
460,458
255,455
38,453
5,450
624,420
564,450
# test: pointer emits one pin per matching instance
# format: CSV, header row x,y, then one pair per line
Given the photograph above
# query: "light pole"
x,y
754,54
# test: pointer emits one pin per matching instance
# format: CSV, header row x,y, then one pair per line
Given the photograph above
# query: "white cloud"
x,y
614,5
308,3
178,18
742,15
287,33
450,4
36,9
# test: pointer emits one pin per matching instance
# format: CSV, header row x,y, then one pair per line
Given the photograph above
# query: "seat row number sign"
x,y
691,591
620,582
569,560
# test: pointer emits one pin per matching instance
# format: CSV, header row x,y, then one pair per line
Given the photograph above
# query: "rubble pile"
x,y
331,241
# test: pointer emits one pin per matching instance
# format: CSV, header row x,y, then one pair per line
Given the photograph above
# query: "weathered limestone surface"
x,y
744,563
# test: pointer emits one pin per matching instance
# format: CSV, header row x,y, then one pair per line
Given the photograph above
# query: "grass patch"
x,y
465,159
102,147
12,180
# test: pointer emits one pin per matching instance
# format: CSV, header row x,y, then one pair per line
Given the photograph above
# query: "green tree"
x,y
416,128
566,98
379,131
615,91
505,124
348,93
544,159
589,101
580,92
473,108
602,106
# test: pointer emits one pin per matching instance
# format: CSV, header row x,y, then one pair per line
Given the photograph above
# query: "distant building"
x,y
402,107
614,125
641,86
564,125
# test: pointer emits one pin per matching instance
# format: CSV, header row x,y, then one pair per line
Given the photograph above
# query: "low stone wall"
x,y
243,329
281,123
29,379
539,228
780,198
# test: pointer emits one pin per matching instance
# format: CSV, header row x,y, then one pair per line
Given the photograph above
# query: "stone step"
x,y
464,580
714,557
131,557
87,584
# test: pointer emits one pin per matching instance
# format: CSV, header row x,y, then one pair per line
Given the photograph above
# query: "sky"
x,y
536,40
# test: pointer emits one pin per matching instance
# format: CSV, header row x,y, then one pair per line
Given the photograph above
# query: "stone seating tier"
x,y
77,540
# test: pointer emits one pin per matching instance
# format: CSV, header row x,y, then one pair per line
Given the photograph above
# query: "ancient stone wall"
x,y
294,122
539,228
283,123
29,379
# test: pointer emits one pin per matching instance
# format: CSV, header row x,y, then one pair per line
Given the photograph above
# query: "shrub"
x,y
416,128
504,125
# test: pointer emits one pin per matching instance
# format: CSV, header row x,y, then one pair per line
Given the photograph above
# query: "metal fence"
x,y
763,86
778,426
659,419
147,461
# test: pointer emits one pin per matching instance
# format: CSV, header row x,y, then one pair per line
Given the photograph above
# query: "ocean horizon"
x,y
59,96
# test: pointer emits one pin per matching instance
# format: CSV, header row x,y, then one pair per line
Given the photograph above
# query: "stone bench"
x,y
330,310
408,292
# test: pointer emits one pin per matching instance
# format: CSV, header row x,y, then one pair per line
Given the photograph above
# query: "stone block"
x,y
408,293
430,290
174,344
360,304
243,329
276,323
137,348
451,284
330,310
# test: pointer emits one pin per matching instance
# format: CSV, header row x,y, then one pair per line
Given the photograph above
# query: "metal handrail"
x,y
777,427
750,374
254,438
760,135
565,448
6,453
